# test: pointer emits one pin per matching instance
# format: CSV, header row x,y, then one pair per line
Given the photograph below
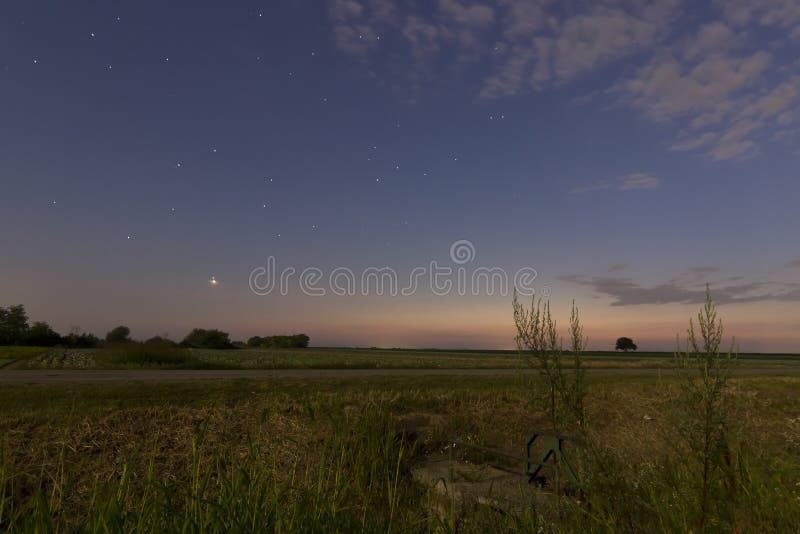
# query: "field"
x,y
140,357
338,455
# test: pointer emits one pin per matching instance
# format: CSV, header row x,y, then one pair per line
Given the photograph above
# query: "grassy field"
x,y
336,455
138,357
9,355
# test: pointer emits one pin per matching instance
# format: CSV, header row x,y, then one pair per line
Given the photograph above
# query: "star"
x,y
265,205
109,67
178,164
313,53
91,34
278,235
213,281
166,60
313,226
130,237
377,179
172,210
54,203
36,60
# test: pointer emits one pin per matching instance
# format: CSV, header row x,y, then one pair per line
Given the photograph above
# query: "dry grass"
x,y
102,432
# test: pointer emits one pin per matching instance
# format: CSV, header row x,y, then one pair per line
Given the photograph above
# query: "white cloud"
x,y
777,13
638,181
545,48
629,182
714,37
692,143
725,91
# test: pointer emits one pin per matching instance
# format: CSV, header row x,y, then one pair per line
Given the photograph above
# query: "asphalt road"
x,y
156,376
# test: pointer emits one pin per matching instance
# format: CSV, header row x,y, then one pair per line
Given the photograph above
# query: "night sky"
x,y
153,154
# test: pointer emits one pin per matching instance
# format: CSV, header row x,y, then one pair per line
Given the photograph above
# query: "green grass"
x,y
9,355
138,357
328,455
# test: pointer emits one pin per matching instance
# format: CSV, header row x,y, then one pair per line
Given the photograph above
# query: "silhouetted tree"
x,y
297,341
13,325
625,344
78,340
207,339
120,334
41,335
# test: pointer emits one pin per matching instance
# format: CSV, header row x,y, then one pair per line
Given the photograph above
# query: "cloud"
x,y
617,267
626,292
545,47
638,181
794,264
723,87
357,24
687,142
713,76
629,182
768,13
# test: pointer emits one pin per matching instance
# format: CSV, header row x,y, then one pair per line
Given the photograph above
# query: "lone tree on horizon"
x,y
625,344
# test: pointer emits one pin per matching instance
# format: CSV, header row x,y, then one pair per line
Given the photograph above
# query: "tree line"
x,y
279,342
16,330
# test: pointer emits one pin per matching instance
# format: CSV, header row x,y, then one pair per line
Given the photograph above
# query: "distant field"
x,y
138,357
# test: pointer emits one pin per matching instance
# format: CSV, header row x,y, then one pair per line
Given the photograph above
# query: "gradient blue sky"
x,y
628,151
